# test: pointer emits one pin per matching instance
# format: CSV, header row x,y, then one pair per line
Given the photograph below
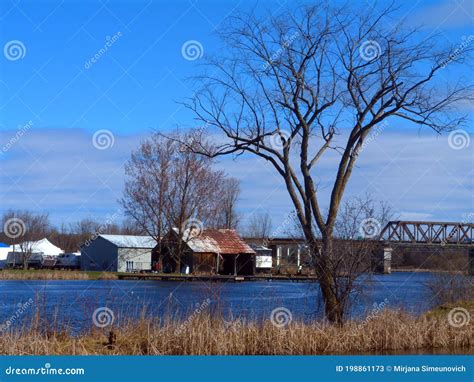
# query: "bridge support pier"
x,y
471,262
383,260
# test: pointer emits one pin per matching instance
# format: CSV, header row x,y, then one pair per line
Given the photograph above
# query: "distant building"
x,y
289,255
118,253
263,259
70,260
42,253
4,249
210,251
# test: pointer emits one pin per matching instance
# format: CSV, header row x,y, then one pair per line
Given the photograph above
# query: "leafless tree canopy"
x,y
31,227
226,215
259,226
171,187
290,88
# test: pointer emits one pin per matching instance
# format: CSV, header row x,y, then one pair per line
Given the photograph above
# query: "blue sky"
x,y
133,87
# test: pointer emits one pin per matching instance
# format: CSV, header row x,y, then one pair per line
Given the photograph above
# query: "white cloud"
x,y
60,171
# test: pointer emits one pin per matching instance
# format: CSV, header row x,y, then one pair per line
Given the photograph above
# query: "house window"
x,y
129,266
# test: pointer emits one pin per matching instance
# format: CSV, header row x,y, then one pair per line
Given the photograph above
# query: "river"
x,y
72,303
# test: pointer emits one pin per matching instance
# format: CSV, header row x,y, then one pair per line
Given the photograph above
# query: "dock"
x,y
213,278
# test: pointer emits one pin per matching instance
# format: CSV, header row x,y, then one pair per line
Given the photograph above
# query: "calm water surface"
x,y
71,303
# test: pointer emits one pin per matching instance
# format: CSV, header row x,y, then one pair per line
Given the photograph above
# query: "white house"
x,y
117,253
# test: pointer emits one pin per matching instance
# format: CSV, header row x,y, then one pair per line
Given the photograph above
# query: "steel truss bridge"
x,y
428,233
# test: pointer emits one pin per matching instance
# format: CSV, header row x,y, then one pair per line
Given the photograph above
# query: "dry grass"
x,y
46,274
389,332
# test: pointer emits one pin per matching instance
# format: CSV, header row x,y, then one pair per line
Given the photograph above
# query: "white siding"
x,y
134,259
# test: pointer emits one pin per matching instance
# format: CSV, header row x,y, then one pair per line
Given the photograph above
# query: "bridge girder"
x,y
423,232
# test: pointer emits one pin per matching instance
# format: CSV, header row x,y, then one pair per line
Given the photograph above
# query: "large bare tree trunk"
x,y
291,88
333,305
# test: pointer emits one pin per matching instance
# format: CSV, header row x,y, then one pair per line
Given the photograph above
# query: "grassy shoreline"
x,y
47,274
389,332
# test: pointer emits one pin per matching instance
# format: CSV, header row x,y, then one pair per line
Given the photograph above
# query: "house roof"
x,y
222,241
131,241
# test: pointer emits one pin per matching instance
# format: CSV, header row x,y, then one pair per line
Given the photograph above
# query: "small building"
x,y
263,258
117,253
70,260
40,253
210,251
4,249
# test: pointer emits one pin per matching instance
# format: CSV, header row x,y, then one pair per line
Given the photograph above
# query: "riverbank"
x,y
47,274
387,332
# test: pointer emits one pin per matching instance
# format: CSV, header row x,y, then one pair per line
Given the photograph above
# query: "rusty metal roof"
x,y
222,241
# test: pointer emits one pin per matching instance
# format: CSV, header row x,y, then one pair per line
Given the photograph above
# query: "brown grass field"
x,y
390,332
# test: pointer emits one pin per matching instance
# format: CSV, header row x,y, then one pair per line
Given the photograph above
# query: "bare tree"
x,y
171,188
226,209
148,180
260,226
290,88
356,231
25,228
